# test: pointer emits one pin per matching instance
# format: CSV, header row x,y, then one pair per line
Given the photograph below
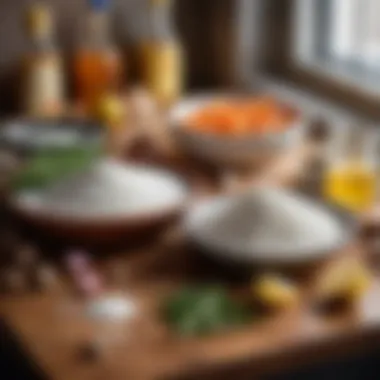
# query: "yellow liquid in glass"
x,y
351,185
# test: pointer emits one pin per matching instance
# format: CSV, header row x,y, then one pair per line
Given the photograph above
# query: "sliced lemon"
x,y
275,292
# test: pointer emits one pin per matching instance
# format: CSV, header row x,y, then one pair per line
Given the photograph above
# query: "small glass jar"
x,y
350,179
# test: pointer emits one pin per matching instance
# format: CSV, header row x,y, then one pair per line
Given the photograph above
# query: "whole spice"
x,y
14,281
89,351
45,277
26,256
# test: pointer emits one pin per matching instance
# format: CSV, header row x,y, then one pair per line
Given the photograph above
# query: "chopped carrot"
x,y
258,115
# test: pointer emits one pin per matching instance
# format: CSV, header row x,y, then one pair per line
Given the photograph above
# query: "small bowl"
x,y
25,136
222,150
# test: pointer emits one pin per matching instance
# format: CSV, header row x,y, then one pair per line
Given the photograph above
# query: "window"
x,y
340,39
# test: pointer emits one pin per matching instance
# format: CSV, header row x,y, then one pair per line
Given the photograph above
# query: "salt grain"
x,y
111,308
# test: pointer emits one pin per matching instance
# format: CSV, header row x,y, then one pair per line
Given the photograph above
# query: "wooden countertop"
x,y
52,327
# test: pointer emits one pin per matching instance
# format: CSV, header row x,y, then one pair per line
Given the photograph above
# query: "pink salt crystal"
x,y
85,278
89,284
78,262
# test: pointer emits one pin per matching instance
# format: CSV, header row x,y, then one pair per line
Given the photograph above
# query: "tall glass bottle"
x,y
162,55
98,65
43,73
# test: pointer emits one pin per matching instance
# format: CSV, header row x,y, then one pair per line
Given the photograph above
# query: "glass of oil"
x,y
351,174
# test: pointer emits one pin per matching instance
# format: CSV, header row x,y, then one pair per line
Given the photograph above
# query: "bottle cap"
x,y
39,18
99,5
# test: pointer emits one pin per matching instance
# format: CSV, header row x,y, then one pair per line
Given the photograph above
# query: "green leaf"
x,y
204,310
51,165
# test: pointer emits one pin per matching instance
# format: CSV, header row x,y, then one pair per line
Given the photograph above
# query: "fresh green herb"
x,y
204,310
51,165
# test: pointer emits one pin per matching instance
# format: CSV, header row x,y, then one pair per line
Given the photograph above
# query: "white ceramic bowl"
x,y
152,197
244,239
222,150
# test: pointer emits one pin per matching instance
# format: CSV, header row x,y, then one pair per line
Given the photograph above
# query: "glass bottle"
x,y
350,179
98,66
162,55
43,72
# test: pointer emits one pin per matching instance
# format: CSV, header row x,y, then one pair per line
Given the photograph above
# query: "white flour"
x,y
267,221
108,189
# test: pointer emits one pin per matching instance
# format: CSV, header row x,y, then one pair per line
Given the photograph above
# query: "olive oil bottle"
x,y
161,52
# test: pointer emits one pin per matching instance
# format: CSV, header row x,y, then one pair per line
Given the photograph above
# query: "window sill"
x,y
311,104
333,86
361,79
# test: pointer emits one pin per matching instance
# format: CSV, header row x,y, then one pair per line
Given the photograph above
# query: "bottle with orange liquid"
x,y
351,175
162,55
98,65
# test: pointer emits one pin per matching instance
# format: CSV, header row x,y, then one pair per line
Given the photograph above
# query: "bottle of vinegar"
x,y
43,74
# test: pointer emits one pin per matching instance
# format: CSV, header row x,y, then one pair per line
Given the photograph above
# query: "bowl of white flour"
x,y
106,200
268,226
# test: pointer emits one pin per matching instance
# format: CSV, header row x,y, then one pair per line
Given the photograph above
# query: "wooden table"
x,y
52,327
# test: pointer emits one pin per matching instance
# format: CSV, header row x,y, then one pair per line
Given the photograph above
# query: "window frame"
x,y
278,61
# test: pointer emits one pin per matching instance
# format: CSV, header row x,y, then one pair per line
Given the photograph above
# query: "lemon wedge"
x,y
275,292
347,279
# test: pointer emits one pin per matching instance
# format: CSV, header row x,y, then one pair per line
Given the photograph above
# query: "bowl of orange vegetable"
x,y
234,129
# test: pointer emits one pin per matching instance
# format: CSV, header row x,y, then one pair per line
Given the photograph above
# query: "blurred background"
x,y
328,47
131,70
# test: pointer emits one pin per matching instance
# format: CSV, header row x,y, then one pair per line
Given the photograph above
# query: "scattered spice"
x,y
26,256
89,352
45,277
14,281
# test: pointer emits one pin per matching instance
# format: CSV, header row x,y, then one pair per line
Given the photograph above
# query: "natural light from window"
x,y
341,39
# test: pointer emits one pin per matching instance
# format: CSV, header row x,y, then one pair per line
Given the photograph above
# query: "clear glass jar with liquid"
x,y
350,180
